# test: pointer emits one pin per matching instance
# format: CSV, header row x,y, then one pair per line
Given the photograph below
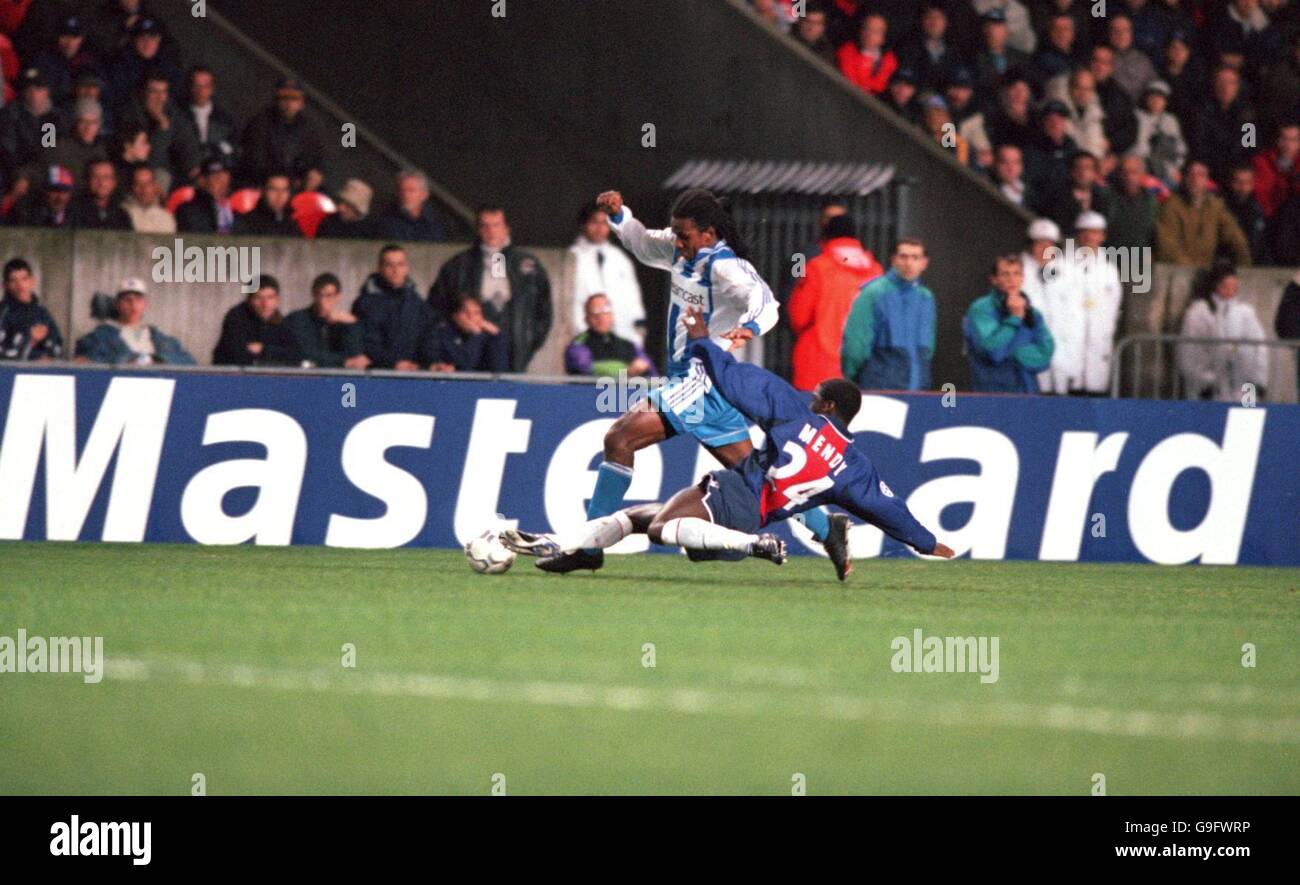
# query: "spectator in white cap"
x,y
126,338
1049,278
1083,316
352,221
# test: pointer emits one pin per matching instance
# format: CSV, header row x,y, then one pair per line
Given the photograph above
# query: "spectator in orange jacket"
x,y
867,63
822,300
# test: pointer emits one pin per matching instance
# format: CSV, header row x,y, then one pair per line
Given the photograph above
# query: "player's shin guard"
x,y
700,534
596,534
817,521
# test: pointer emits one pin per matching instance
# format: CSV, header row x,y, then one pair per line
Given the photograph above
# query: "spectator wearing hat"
x,y
27,330
1012,121
1083,316
109,27
47,207
22,127
901,96
599,350
1021,35
60,63
888,339
511,283
1239,197
396,323
1007,340
930,50
172,141
144,204
1058,54
597,266
212,127
968,116
97,207
1048,278
328,336
1215,133
272,216
936,120
1133,69
412,219
822,299
140,57
1131,215
209,212
254,333
996,56
1082,192
282,138
1220,371
82,141
469,342
1160,137
1194,225
352,221
1277,169
811,30
127,338
1047,159
867,63
89,86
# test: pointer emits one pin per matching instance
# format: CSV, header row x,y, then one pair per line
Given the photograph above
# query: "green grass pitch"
x,y
228,662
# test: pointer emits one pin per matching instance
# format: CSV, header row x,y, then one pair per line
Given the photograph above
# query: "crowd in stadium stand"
x,y
1168,125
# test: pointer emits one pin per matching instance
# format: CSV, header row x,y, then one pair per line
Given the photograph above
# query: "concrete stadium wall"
x,y
545,107
72,266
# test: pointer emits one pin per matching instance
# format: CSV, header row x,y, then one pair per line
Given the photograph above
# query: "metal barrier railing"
x,y
1146,366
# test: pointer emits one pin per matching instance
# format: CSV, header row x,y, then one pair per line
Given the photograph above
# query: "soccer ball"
x,y
488,556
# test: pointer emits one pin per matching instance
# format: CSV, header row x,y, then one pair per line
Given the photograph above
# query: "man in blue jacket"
x,y
809,461
396,324
27,330
127,338
1007,340
889,335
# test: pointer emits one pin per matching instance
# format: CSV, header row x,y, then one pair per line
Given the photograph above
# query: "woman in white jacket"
x,y
1219,371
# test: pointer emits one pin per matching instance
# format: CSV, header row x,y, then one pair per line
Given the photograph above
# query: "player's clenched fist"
x,y
611,202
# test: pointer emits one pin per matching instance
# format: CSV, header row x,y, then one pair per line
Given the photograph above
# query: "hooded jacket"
x,y
820,305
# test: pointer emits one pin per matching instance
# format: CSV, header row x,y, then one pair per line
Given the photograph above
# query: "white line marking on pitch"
x,y
1060,717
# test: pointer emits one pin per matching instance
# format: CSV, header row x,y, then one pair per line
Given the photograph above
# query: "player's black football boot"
x,y
563,563
837,545
529,543
769,547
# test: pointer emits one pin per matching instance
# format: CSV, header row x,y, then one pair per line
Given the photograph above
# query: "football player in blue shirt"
x,y
809,461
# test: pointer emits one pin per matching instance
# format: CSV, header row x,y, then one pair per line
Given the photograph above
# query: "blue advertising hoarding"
x,y
381,462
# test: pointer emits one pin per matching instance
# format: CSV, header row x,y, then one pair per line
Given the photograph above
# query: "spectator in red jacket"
x,y
822,300
1277,170
868,64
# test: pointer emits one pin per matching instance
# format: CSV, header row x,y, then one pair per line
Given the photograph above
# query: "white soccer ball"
x,y
488,556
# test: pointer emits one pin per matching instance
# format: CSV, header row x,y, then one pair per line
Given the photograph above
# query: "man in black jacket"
x,y
253,332
209,212
1120,124
511,284
27,330
281,137
396,324
271,217
98,207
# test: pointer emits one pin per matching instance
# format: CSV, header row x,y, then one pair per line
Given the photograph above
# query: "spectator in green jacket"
x,y
1007,340
1131,215
328,336
126,338
889,335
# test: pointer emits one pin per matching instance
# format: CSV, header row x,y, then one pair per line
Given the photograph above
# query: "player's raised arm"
x,y
759,395
655,248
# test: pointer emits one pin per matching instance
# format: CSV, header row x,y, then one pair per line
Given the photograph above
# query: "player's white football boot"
x,y
529,543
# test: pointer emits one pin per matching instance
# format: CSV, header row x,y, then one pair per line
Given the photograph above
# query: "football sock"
x,y
700,534
816,521
596,534
612,482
